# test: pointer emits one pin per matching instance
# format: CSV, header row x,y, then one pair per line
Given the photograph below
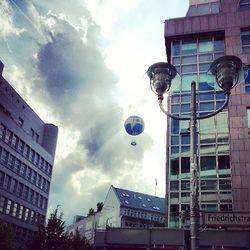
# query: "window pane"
x,y
189,68
174,140
189,47
186,81
248,118
206,57
218,45
205,46
223,162
176,48
222,125
207,125
208,162
189,59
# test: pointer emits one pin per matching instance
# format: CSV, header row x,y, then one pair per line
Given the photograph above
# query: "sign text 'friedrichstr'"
x,y
227,219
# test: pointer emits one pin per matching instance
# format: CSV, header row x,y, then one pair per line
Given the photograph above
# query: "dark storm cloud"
x,y
83,91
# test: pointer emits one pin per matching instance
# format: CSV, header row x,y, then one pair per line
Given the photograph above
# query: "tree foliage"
x,y
99,206
52,236
91,212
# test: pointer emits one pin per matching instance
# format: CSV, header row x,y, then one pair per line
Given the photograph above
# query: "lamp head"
x,y
161,75
226,70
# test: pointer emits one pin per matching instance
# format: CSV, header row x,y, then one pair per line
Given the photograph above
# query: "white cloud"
x,y
7,26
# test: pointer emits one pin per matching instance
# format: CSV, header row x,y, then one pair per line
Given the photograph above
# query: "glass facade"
x,y
192,59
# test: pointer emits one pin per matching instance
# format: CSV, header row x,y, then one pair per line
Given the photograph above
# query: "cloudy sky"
x,y
80,64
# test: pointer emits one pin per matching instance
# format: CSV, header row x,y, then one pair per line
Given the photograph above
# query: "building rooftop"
x,y
140,201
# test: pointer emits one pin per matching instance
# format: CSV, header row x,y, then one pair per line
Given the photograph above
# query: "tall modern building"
x,y
27,151
211,29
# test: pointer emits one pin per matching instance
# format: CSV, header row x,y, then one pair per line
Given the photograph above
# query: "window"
x,y
14,141
20,212
13,184
2,130
208,162
248,119
245,39
2,201
20,147
14,210
6,183
247,79
20,121
4,156
7,136
7,211
244,4
17,165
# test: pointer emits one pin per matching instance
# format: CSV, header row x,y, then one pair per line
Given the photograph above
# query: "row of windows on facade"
x,y
34,135
207,149
22,191
19,167
210,184
12,140
176,209
199,62
143,215
206,163
20,212
203,139
205,197
205,46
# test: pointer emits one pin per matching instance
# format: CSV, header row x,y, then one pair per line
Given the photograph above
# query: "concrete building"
x,y
27,151
122,209
210,30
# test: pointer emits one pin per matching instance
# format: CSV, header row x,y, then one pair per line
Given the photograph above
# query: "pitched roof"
x,y
141,201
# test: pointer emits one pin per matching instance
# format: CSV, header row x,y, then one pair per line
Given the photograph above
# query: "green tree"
x,y
79,243
6,236
91,212
50,236
99,206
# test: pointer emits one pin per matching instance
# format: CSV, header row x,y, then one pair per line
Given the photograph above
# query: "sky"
x,y
80,64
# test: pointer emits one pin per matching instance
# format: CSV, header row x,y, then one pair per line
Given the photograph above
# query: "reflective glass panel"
x,y
207,162
189,59
222,122
218,45
175,99
206,57
174,140
186,81
189,68
205,45
207,125
174,126
176,61
207,149
176,48
189,47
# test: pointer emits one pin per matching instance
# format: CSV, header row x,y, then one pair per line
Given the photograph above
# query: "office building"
x,y
210,29
27,151
122,209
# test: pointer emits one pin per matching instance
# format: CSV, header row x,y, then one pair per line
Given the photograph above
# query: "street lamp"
x,y
226,70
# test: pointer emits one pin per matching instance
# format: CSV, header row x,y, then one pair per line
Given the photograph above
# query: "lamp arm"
x,y
166,112
217,111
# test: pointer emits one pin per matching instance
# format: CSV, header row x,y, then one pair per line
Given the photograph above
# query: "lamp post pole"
x,y
194,202
226,70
